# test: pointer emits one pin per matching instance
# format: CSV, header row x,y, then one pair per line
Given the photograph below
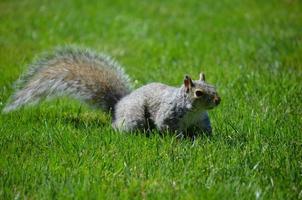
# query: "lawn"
x,y
252,52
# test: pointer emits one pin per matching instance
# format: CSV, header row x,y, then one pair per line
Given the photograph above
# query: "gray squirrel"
x,y
99,81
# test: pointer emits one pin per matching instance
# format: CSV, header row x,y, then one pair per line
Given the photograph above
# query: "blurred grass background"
x,y
251,50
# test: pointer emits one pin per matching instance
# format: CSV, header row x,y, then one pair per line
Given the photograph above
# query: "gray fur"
x,y
71,71
100,81
165,108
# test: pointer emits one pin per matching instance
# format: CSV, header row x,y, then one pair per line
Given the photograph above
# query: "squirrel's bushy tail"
x,y
70,71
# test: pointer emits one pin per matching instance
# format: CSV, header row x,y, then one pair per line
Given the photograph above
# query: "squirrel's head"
x,y
200,94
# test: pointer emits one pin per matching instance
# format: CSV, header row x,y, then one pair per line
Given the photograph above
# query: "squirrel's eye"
x,y
199,93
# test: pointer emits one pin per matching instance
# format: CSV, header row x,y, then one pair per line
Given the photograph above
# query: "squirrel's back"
x,y
76,72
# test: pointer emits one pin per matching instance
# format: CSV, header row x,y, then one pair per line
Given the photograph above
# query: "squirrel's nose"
x,y
216,100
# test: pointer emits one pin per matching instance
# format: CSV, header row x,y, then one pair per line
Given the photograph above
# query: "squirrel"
x,y
100,81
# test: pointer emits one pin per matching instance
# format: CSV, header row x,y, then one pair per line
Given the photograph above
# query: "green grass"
x,y
252,52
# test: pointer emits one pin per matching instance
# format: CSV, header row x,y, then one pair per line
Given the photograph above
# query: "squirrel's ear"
x,y
202,77
188,83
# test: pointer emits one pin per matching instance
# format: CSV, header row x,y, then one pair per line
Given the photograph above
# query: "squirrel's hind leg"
x,y
128,124
129,117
